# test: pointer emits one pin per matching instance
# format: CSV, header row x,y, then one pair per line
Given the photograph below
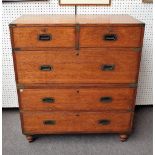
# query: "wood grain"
x,y
76,122
70,20
94,36
71,95
68,67
27,37
88,99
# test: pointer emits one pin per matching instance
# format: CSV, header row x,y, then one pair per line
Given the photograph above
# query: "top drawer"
x,y
41,37
98,36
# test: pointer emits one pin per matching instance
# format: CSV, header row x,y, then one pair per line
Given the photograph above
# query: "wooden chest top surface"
x,y
78,19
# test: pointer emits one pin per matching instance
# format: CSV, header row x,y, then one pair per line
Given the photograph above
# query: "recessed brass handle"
x,y
44,37
48,100
106,99
104,122
49,122
108,67
110,37
46,67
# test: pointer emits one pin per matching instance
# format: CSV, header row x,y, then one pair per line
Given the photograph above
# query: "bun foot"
x,y
30,138
123,137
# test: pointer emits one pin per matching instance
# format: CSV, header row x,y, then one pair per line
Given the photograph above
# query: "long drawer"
x,y
75,122
110,36
43,37
67,66
93,99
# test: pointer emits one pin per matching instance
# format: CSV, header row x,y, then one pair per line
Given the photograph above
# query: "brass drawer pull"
x,y
108,67
110,37
106,99
48,100
44,37
46,68
104,122
49,122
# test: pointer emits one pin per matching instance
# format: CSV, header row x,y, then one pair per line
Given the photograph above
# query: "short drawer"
x,y
110,36
86,99
67,66
43,37
75,122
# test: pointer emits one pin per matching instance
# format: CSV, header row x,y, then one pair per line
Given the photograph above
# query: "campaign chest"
x,y
76,74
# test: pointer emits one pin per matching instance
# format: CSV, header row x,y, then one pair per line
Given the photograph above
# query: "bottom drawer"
x,y
76,122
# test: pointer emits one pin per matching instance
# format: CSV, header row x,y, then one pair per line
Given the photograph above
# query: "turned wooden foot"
x,y
30,138
123,137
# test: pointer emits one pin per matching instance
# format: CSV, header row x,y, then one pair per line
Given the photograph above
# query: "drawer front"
x,y
74,122
110,37
45,37
90,66
94,99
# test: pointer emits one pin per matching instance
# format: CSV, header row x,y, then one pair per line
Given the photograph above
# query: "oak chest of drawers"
x,y
76,74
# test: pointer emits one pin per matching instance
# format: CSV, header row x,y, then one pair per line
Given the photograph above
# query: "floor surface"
x,y
139,143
